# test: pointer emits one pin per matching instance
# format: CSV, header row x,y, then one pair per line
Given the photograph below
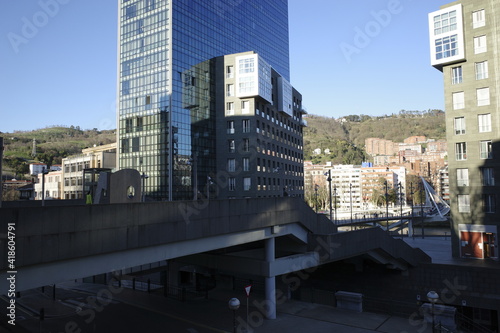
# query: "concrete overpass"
x,y
265,237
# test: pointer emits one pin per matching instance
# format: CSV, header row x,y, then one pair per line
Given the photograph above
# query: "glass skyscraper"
x,y
166,113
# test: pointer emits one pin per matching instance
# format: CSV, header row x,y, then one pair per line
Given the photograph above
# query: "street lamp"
x,y
44,172
329,180
234,305
350,201
386,207
335,202
433,297
144,177
411,195
316,186
422,191
400,186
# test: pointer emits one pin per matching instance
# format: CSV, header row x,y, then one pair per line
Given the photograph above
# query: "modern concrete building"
x,y
259,130
167,89
464,46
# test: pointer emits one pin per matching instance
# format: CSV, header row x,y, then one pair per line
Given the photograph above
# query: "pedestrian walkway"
x,y
213,314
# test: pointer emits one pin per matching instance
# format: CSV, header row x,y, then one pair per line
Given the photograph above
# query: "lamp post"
x,y
329,180
422,189
350,201
411,194
386,207
400,186
316,186
143,178
432,296
234,305
335,202
44,172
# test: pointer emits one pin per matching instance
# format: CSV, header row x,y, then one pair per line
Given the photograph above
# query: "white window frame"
x,y
488,176
481,70
480,44
246,164
456,75
459,125
230,108
462,177
483,96
463,203
458,100
246,125
247,183
230,127
461,151
485,149
245,107
489,203
231,165
230,71
484,122
231,182
478,19
230,90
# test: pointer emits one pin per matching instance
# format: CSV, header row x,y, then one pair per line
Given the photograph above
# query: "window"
x,y
487,176
483,96
131,11
150,5
230,90
456,75
489,203
246,65
463,203
246,164
445,22
462,177
481,70
230,108
458,100
484,122
247,182
480,44
459,125
245,106
478,19
446,47
485,149
229,72
231,145
460,151
246,125
126,87
128,125
231,165
246,145
230,127
231,183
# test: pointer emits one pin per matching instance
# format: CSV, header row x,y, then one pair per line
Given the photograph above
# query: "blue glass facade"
x,y
166,117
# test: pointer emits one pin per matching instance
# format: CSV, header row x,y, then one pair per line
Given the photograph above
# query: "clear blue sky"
x,y
58,63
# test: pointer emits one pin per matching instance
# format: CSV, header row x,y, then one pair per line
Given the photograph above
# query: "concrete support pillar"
x,y
270,281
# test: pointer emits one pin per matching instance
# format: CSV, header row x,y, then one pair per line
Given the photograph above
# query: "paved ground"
x,y
123,310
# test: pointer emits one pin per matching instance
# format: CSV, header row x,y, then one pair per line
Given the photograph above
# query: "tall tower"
x,y
166,91
465,46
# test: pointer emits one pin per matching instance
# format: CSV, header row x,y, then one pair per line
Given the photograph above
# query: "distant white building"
x,y
317,151
37,168
52,184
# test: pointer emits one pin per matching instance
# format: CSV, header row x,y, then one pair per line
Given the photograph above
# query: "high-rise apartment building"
x,y
167,91
464,45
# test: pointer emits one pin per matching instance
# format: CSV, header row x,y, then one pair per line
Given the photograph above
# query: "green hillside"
x,y
52,145
345,137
